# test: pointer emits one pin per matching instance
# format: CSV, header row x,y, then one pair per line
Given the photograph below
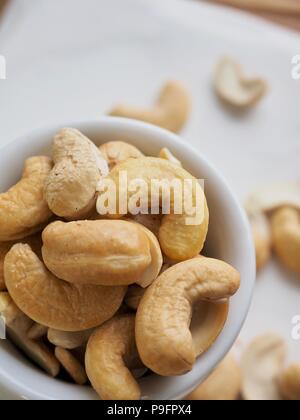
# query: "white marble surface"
x,y
74,59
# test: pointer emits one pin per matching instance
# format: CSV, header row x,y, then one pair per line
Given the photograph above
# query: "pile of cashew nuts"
x,y
106,299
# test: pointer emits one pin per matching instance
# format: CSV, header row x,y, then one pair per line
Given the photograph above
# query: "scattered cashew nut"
x,y
179,241
23,209
163,336
116,152
289,383
105,252
224,384
234,89
53,302
69,340
261,364
262,238
70,188
71,365
285,224
171,110
18,325
109,357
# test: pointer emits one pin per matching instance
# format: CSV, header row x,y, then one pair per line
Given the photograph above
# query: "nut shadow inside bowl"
x,y
229,239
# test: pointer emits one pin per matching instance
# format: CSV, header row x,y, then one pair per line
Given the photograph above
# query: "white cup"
x,y
229,239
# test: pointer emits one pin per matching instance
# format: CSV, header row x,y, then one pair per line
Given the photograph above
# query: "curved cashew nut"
x,y
18,325
116,152
166,154
37,331
110,354
134,296
70,188
163,337
262,238
289,383
178,239
224,384
105,252
23,209
71,365
234,89
261,365
52,302
285,225
69,340
171,110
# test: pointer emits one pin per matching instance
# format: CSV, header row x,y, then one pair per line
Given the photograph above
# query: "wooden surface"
x,y
284,12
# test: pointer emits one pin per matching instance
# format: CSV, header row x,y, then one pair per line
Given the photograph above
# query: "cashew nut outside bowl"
x,y
19,379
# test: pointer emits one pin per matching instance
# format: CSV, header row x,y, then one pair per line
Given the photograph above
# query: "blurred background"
x,y
73,59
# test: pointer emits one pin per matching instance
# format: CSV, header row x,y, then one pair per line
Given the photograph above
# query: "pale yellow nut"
x,y
23,209
116,152
101,252
164,339
181,237
53,302
285,225
167,154
70,188
134,296
111,353
37,331
171,110
18,324
261,364
262,239
234,89
224,384
150,221
69,340
289,383
71,365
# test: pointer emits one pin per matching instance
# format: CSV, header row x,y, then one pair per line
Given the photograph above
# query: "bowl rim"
x,y
17,388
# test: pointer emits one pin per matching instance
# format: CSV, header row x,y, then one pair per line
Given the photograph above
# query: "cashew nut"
x,y
289,383
179,241
102,252
69,340
70,188
171,110
53,302
163,337
111,353
134,296
166,154
71,365
23,209
150,221
285,224
18,325
234,89
262,238
116,152
37,331
224,384
261,365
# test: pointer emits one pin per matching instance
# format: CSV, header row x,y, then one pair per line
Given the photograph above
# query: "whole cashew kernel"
x,y
70,188
261,365
166,154
171,110
101,252
37,331
163,336
285,224
224,384
116,152
234,89
262,239
134,296
71,365
69,340
109,357
178,239
289,383
18,325
23,209
53,302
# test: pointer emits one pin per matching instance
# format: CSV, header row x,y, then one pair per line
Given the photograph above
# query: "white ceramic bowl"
x,y
229,239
